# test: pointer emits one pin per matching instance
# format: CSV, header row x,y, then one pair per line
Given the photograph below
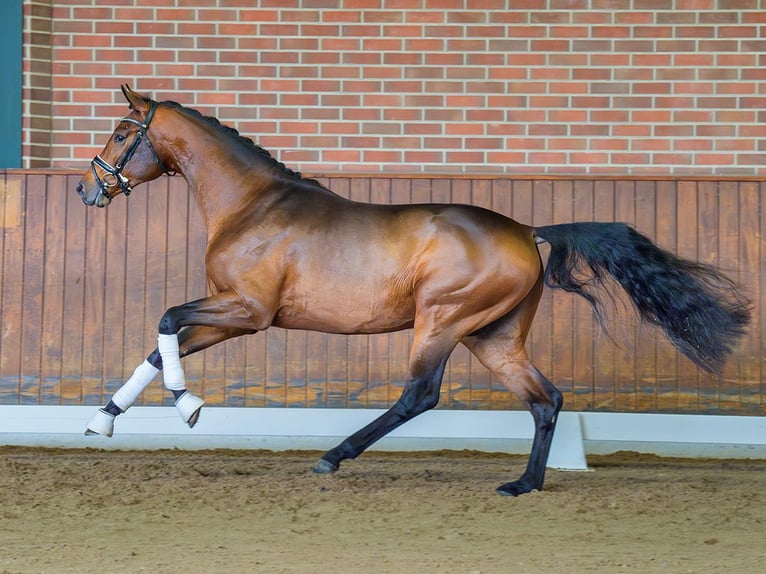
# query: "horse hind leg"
x,y
427,361
507,360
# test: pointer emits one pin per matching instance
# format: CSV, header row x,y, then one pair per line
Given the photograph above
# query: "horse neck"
x,y
223,176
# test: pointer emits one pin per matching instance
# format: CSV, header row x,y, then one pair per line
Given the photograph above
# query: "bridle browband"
x,y
116,171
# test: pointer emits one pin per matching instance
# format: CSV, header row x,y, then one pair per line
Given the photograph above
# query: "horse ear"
x,y
137,101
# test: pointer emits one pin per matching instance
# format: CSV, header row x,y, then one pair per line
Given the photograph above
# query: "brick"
x,y
437,118
550,74
403,115
445,59
300,16
693,116
464,129
382,156
506,157
546,157
410,156
443,143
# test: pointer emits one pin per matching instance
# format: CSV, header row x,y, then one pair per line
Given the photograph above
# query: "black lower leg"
x,y
418,396
113,409
545,416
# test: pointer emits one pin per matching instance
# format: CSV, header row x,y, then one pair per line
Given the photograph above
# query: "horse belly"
x,y
349,310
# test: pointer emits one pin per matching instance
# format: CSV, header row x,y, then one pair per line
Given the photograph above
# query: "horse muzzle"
x,y
100,197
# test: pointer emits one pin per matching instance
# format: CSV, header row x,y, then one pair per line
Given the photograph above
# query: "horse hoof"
x,y
101,423
325,467
514,489
189,406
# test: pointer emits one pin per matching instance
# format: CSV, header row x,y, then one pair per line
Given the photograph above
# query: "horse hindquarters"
x,y
699,309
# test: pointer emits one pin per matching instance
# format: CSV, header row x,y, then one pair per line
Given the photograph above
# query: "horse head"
x,y
128,159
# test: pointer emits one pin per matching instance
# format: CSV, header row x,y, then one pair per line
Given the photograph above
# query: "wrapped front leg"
x,y
187,404
103,421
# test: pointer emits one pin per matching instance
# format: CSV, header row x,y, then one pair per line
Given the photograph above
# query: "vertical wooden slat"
x,y
541,333
687,246
712,249
93,304
159,220
140,335
748,368
645,343
255,370
666,357
625,366
296,359
604,350
53,317
728,388
759,302
74,300
562,310
584,327
115,277
12,204
32,288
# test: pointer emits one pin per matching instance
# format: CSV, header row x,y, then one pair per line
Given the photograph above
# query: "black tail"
x,y
699,308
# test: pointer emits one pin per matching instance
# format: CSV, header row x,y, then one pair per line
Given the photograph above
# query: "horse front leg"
x,y
187,341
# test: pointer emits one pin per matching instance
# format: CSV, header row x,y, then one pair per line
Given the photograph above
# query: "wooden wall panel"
x,y
82,290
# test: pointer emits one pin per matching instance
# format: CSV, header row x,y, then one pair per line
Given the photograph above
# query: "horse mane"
x,y
244,141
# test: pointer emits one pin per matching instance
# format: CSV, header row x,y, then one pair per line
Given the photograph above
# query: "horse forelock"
x,y
233,135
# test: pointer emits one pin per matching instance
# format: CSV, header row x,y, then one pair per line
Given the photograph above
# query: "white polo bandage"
x,y
172,372
127,394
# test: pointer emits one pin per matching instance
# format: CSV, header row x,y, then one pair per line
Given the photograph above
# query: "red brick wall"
x,y
513,86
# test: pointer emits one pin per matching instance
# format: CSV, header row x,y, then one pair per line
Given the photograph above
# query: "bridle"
x,y
116,171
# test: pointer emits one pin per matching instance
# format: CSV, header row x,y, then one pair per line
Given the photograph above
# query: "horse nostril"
x,y
80,188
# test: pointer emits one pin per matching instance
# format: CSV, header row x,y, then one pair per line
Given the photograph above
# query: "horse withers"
x,y
285,251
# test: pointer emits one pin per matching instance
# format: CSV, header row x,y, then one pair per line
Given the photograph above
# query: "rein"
x,y
116,171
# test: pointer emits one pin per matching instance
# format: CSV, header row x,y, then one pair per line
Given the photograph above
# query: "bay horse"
x,y
285,251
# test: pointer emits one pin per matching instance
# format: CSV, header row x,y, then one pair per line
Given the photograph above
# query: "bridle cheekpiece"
x,y
116,171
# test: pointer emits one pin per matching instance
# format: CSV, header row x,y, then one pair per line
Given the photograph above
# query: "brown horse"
x,y
285,251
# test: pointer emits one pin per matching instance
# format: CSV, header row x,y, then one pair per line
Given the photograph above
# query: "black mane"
x,y
245,141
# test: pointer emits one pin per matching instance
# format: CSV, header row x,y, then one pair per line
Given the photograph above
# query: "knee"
x,y
169,324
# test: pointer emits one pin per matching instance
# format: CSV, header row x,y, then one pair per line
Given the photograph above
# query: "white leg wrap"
x,y
101,423
127,394
172,372
188,406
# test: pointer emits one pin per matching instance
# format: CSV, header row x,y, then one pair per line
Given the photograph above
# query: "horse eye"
x,y
119,138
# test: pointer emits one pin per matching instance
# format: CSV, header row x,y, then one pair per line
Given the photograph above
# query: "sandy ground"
x,y
87,511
